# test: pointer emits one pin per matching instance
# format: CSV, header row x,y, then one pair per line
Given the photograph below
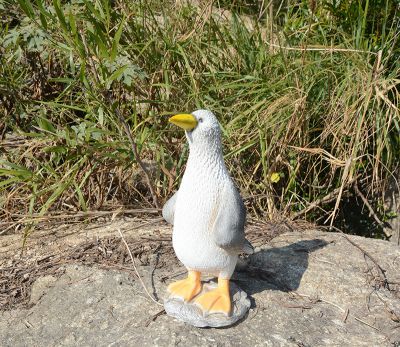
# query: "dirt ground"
x,y
49,249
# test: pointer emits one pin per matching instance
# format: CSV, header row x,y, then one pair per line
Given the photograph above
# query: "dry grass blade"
x,y
345,311
136,270
326,155
329,49
370,209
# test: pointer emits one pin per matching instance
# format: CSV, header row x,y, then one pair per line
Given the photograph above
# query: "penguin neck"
x,y
206,158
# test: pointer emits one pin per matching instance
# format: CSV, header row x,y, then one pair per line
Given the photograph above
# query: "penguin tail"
x,y
247,247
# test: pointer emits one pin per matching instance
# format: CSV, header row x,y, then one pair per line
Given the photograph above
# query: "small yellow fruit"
x,y
275,177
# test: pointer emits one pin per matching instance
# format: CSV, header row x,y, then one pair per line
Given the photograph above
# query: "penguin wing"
x,y
168,210
228,228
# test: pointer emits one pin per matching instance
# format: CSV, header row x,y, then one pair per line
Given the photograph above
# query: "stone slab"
x,y
306,289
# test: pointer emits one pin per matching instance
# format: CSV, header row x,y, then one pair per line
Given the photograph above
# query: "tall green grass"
x,y
306,93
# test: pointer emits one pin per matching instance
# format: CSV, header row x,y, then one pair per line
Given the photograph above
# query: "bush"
x,y
307,95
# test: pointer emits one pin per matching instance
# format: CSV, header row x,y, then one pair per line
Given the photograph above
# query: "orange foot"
x,y
216,300
188,288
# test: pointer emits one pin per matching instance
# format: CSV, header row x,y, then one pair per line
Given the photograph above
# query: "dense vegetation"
x,y
307,94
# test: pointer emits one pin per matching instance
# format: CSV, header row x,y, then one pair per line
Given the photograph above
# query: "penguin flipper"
x,y
228,228
168,211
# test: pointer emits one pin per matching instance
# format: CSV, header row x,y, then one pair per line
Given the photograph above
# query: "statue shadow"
x,y
279,268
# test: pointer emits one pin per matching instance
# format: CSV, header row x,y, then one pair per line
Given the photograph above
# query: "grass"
x,y
307,95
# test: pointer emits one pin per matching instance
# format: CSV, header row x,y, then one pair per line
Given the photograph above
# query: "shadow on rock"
x,y
278,268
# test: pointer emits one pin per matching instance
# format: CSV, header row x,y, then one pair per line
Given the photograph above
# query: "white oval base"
x,y
190,313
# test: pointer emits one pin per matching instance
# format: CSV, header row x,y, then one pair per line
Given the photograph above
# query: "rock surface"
x,y
306,289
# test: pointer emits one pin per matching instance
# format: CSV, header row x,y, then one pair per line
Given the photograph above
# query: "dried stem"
x,y
137,157
136,270
326,199
370,209
124,124
345,311
381,271
320,49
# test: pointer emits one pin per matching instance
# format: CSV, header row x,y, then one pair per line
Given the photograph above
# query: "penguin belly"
x,y
192,233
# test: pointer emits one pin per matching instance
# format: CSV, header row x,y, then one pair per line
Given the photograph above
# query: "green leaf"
x,y
60,15
9,181
101,116
27,7
117,37
22,173
55,104
45,124
56,149
72,23
117,74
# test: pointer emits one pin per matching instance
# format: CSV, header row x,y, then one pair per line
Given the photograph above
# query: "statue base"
x,y
192,314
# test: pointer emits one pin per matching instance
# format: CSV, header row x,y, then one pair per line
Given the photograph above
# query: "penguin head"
x,y
201,126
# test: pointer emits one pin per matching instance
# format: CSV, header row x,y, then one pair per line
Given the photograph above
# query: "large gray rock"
x,y
307,289
392,206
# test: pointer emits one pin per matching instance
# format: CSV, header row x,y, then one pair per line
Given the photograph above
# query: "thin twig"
x,y
319,49
136,270
200,21
370,209
345,311
10,227
366,323
176,274
365,253
125,125
36,216
137,157
259,196
155,220
339,197
346,314
89,56
326,199
154,317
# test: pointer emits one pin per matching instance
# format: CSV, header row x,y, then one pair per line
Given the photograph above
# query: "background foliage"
x,y
307,94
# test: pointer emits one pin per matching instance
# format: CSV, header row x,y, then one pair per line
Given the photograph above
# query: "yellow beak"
x,y
185,121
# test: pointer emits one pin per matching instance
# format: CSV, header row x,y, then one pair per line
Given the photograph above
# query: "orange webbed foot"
x,y
188,288
217,300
